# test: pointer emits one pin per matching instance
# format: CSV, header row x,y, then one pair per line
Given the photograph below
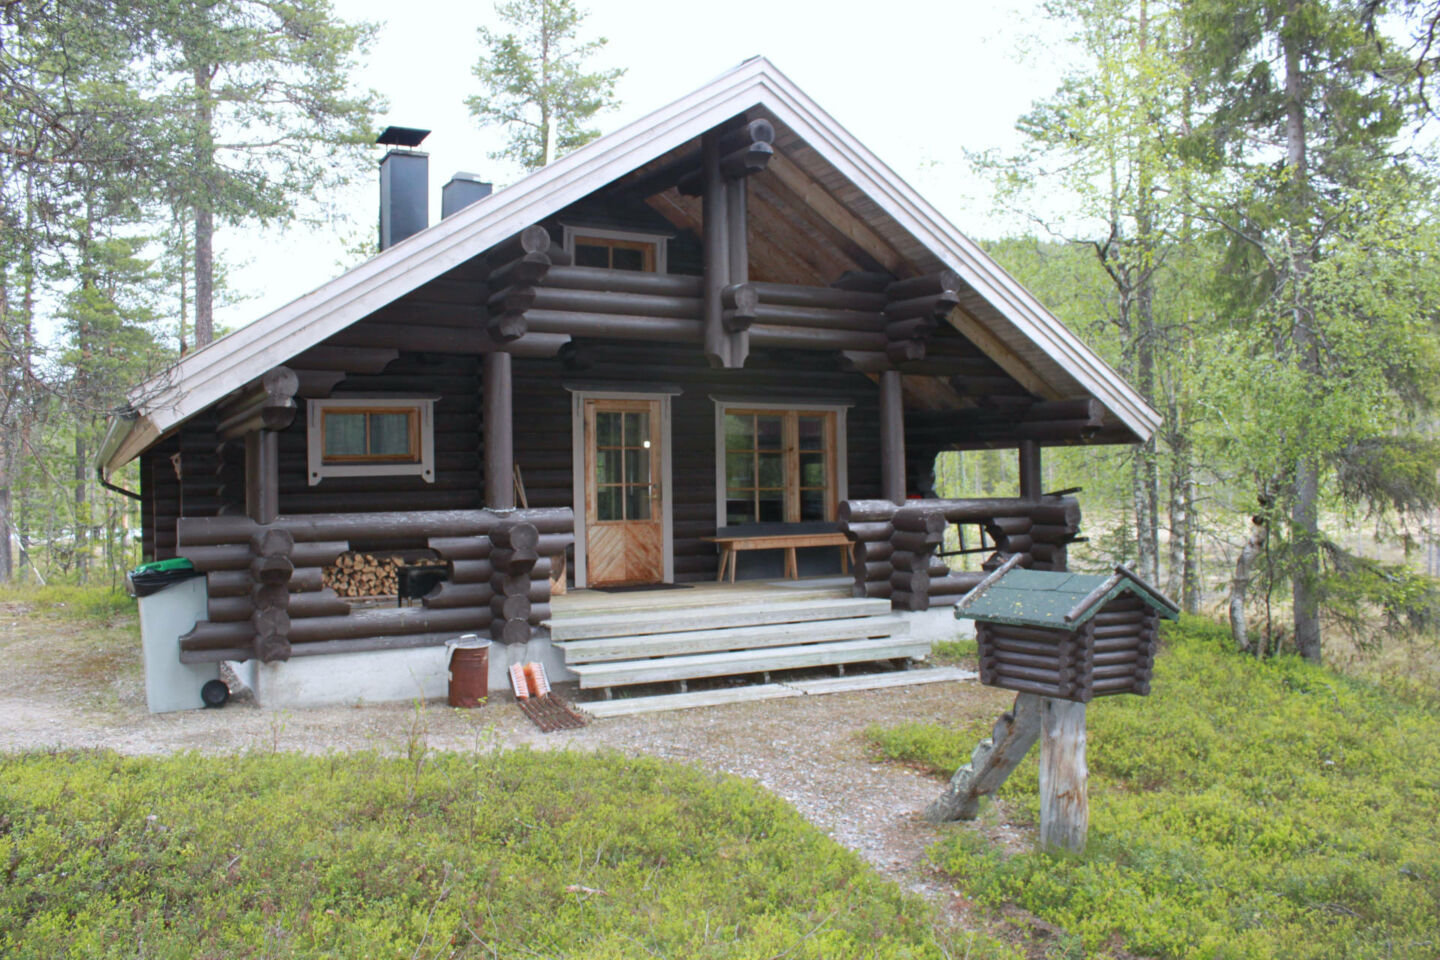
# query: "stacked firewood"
x,y
363,575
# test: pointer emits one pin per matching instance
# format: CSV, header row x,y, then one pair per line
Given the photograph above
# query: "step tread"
x,y
638,623
729,663
731,638
629,706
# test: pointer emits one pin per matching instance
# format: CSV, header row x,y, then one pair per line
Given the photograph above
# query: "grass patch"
x,y
954,653
478,855
70,602
1244,810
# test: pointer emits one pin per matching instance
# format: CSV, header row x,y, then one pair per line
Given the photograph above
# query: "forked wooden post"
x,y
1064,802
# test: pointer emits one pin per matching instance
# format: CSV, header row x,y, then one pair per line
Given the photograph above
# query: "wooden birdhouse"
x,y
1068,636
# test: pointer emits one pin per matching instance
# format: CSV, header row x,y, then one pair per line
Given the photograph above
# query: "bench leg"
x,y
724,559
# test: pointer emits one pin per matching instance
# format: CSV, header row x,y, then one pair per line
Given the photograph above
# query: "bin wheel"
x,y
215,693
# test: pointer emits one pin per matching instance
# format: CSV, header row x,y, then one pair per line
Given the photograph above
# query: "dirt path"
x,y
71,685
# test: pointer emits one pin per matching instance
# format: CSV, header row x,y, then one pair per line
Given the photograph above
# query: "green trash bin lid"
x,y
164,566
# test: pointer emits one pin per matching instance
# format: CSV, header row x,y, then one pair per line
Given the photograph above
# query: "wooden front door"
x,y
624,522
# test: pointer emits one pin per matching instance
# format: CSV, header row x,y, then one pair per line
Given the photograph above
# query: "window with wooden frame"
x,y
616,249
370,437
780,465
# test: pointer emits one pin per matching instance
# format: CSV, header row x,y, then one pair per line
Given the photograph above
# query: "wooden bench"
x,y
781,536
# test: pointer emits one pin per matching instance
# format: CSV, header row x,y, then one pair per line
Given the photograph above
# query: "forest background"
x,y
1233,201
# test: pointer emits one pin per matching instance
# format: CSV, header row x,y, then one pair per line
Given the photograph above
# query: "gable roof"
x,y
1054,600
1017,319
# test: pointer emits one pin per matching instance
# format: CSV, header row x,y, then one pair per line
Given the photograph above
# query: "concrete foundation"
x,y
937,624
385,675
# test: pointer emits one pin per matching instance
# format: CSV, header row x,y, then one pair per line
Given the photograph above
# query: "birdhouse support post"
x,y
1064,801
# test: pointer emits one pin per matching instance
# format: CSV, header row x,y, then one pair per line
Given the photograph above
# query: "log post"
x,y
892,438
1064,802
499,432
1030,479
714,211
262,476
738,255
991,763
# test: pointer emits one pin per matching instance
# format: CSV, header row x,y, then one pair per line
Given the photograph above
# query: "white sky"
x,y
917,82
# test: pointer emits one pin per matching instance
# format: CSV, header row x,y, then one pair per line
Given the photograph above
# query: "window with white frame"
x,y
616,249
371,437
779,464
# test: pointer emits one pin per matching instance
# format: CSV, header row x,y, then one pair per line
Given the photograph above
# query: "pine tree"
x,y
534,85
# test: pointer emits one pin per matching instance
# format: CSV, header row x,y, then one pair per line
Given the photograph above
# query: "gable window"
x,y
779,465
370,437
616,249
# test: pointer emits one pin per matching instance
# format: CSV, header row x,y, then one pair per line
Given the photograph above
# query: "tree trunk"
x,y
82,526
1304,512
1192,594
1240,586
1179,518
991,763
204,213
1064,776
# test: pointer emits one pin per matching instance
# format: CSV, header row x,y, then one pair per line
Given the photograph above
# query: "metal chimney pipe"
x,y
404,185
462,190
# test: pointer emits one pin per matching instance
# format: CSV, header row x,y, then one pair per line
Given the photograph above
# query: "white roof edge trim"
x,y
206,375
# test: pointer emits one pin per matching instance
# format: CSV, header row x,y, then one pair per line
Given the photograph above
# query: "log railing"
x,y
896,545
267,601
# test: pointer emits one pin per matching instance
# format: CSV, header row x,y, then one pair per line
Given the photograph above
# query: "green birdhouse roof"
x,y
1053,600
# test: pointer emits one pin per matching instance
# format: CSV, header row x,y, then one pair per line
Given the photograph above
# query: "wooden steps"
x,y
641,622
680,643
773,691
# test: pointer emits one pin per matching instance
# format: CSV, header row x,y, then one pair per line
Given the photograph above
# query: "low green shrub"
x,y
92,604
1244,810
961,650
490,854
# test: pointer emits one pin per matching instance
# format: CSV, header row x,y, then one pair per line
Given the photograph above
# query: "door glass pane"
x,y
769,431
637,466
740,469
739,432
772,470
812,469
591,255
771,511
812,504
607,429
637,503
627,259
637,429
739,510
812,433
607,466
608,503
344,434
389,434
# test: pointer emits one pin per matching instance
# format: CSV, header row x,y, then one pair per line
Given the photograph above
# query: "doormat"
x,y
642,587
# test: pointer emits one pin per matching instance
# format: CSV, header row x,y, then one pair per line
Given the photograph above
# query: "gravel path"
x,y
71,685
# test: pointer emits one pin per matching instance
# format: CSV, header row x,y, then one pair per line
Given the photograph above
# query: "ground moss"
x,y
489,854
1244,809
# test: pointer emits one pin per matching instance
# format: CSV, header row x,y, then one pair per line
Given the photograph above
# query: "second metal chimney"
x,y
462,190
404,185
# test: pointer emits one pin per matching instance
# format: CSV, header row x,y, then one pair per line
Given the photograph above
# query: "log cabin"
x,y
665,409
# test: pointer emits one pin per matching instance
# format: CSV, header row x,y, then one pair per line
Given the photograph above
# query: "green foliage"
x,y
534,83
1245,809
91,604
959,650
479,855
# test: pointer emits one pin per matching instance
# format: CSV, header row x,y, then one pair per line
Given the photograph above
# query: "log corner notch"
x,y
517,266
914,309
727,159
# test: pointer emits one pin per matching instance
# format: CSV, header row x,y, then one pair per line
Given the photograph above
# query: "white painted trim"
x,y
318,470
842,444
569,234
208,374
577,475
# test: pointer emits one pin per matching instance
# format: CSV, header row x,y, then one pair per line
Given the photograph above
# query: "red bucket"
x,y
469,671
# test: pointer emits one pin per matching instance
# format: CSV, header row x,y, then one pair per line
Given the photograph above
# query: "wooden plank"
x,y
732,638
834,213
732,663
773,691
991,763
735,615
999,351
